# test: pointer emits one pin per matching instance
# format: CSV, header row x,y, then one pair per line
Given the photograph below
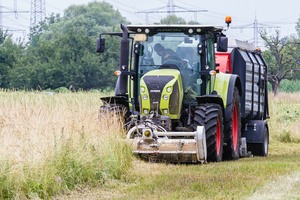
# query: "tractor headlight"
x,y
142,89
145,97
165,97
169,89
145,111
165,111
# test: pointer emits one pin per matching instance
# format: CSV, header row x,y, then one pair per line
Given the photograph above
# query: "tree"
x,y
10,56
61,51
283,58
172,19
193,22
297,27
102,13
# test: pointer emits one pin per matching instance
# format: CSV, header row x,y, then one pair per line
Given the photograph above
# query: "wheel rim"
x,y
235,127
218,137
266,143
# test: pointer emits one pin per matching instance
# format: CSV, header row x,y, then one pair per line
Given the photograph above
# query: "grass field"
x,y
53,145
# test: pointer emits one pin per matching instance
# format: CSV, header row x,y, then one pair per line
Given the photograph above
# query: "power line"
x,y
255,26
170,8
16,12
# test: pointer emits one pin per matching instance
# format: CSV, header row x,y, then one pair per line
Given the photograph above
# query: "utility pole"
x,y
170,9
1,16
256,29
37,12
171,6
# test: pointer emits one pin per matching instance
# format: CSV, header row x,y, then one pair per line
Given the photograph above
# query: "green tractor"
x,y
186,97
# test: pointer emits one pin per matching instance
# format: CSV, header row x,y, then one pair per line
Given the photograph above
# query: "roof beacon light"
x,y
228,20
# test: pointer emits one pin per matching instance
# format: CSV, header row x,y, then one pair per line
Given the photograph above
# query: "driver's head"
x,y
158,48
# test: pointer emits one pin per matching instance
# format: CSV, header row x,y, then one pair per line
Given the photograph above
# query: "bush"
x,y
286,137
287,86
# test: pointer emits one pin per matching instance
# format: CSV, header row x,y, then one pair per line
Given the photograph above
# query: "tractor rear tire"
x,y
210,116
233,129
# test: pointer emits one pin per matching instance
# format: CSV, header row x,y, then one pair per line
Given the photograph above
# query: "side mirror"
x,y
222,43
100,45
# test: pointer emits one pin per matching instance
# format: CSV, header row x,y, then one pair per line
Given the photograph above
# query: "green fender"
x,y
224,86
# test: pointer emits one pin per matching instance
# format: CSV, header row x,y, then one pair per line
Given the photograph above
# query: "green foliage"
x,y
172,19
10,54
102,13
282,58
290,86
62,90
297,27
286,137
61,52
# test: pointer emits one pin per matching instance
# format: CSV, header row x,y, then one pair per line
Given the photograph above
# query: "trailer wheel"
x,y
211,117
261,149
233,129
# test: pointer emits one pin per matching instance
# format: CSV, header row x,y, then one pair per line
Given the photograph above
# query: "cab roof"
x,y
188,29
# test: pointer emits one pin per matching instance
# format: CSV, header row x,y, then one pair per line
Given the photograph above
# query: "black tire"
x,y
261,149
233,129
210,116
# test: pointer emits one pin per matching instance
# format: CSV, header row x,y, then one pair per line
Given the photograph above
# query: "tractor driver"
x,y
167,55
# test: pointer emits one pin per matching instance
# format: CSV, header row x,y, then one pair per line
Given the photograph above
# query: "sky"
x,y
270,14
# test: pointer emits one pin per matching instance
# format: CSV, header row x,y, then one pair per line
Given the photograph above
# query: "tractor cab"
x,y
189,49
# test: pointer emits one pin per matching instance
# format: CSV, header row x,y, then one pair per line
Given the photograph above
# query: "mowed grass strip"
x,y
55,143
225,180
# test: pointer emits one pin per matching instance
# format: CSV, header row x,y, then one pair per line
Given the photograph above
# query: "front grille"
x,y
155,85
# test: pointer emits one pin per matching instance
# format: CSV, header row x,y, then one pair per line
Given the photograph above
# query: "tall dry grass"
x,y
50,143
284,123
285,115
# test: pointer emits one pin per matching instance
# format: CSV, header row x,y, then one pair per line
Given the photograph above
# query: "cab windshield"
x,y
165,48
174,49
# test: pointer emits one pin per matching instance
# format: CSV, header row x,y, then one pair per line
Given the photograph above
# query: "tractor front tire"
x,y
210,116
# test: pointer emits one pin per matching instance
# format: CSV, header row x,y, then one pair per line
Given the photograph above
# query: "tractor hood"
x,y
161,91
